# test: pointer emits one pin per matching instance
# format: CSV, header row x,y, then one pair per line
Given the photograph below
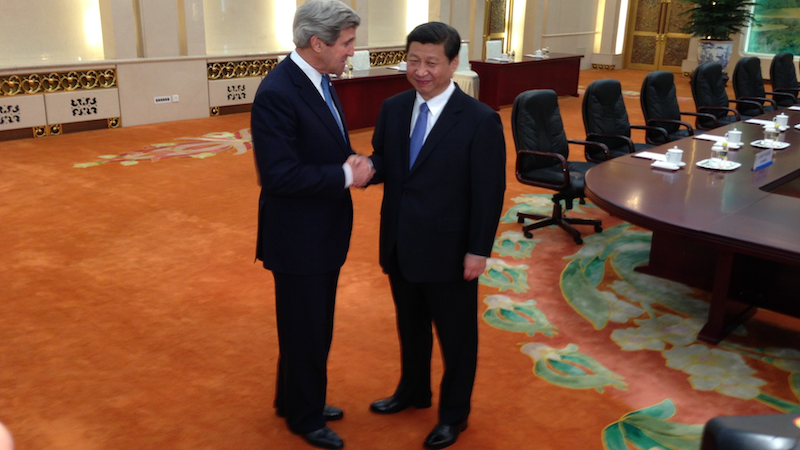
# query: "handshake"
x,y
362,170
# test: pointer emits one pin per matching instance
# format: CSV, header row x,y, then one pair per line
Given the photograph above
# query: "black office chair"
x,y
710,96
660,109
542,160
784,78
605,120
748,85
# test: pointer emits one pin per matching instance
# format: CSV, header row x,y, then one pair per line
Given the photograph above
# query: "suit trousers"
x,y
304,307
452,307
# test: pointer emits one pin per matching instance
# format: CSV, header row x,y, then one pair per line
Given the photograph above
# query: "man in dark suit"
x,y
306,166
441,156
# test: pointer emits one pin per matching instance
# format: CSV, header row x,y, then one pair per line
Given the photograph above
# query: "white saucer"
x,y
776,145
736,146
724,166
665,165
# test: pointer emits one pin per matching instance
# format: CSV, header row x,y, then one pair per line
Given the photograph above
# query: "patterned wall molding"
x,y
258,68
386,58
240,69
604,66
54,82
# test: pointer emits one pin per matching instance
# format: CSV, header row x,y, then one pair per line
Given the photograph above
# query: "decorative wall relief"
x,y
57,82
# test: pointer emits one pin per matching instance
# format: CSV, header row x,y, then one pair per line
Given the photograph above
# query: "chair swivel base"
x,y
557,219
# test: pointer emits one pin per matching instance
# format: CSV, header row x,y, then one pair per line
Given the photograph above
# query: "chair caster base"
x,y
598,229
527,234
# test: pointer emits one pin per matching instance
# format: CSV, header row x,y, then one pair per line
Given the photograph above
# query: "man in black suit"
x,y
306,166
441,156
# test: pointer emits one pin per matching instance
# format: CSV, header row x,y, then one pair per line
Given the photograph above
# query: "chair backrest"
x,y
360,60
782,75
659,100
708,88
536,125
747,81
604,109
494,49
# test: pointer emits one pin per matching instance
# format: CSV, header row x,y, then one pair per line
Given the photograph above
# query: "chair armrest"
x,y
698,115
600,136
748,102
672,121
761,99
784,95
587,144
556,156
787,89
650,128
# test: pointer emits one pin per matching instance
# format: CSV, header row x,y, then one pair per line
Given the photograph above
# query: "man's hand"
x,y
362,170
474,266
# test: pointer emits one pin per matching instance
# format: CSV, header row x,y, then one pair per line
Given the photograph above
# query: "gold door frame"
x,y
661,45
491,29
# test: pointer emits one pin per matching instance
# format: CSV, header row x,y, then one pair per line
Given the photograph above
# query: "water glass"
x,y
771,136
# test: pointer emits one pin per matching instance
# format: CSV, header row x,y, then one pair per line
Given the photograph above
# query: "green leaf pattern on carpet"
x,y
665,317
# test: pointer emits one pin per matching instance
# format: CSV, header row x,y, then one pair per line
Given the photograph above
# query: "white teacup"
x,y
674,155
402,65
781,119
733,136
537,53
504,57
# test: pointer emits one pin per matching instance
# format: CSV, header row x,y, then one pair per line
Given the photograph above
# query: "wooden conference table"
x,y
735,233
363,94
502,81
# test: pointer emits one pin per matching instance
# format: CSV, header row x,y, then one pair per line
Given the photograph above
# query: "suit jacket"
x,y
305,213
450,202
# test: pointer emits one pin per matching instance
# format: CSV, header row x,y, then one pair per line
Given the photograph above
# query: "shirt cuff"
x,y
348,175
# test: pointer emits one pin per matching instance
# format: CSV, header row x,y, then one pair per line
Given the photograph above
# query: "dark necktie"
x,y
418,135
326,91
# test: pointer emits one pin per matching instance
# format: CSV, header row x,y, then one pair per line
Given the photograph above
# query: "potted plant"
x,y
714,22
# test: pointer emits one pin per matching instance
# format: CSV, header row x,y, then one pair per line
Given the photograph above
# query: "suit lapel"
x,y
446,121
404,127
310,95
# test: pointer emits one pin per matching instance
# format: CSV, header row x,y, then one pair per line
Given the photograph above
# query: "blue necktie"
x,y
326,91
418,135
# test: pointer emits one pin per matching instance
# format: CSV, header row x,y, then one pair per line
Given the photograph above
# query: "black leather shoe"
x,y
444,435
391,405
324,438
329,413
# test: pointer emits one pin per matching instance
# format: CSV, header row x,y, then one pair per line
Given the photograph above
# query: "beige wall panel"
x,y
562,17
139,83
82,106
161,35
22,111
239,91
119,29
387,23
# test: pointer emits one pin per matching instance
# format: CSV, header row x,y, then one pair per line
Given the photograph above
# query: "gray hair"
x,y
324,19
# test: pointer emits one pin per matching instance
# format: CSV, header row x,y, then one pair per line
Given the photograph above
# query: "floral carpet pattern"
x,y
202,147
598,282
645,314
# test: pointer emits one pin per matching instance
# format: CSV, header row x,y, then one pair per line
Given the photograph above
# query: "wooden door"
x,y
655,40
496,23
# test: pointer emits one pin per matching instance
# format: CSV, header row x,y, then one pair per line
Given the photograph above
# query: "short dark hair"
x,y
436,33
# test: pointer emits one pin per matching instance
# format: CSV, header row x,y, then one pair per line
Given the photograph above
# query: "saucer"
x,y
736,146
776,145
665,165
722,165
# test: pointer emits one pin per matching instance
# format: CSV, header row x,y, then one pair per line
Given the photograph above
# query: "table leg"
x,y
724,314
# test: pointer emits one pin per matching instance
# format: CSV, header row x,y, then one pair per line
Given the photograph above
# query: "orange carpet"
x,y
133,317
